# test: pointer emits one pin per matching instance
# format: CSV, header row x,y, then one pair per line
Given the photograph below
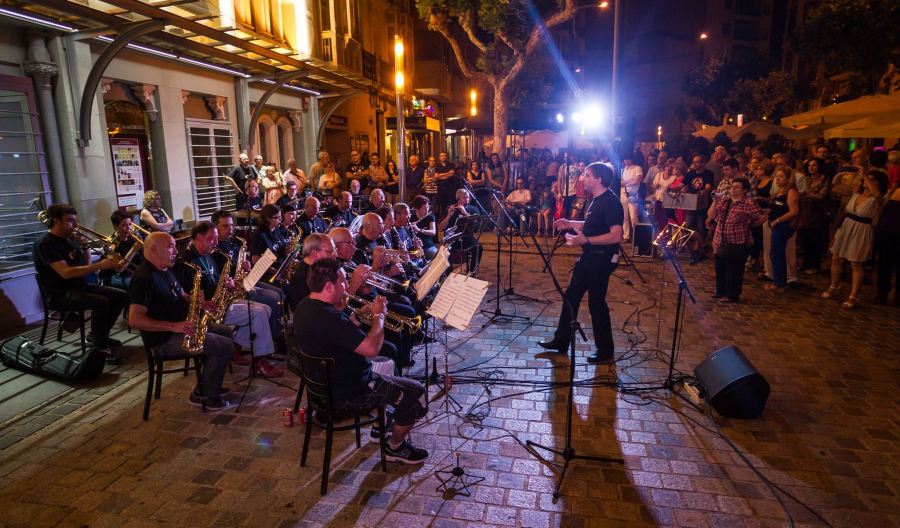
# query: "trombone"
x,y
379,280
401,255
392,321
91,238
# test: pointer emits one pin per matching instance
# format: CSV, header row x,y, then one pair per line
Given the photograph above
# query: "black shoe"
x,y
555,345
71,322
405,453
597,359
213,405
108,343
763,277
375,434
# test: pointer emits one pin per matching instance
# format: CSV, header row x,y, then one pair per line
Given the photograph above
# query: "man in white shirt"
x,y
632,203
517,200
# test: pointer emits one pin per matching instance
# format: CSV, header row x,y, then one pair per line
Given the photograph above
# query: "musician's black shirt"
x,y
50,248
232,248
296,289
211,267
454,218
364,249
339,218
161,293
603,212
324,331
425,223
265,239
311,225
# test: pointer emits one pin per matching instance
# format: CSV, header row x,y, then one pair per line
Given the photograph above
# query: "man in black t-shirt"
x,y
323,330
356,170
159,309
239,175
700,181
415,173
309,220
599,236
446,184
63,262
341,214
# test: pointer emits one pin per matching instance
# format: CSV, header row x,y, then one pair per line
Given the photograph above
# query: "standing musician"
x,y
62,260
309,220
263,292
126,247
468,244
245,315
599,236
324,330
341,213
159,309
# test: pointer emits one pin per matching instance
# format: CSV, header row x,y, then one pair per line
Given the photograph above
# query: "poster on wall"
x,y
126,154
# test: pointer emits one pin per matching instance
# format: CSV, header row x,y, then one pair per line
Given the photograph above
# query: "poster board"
x,y
128,171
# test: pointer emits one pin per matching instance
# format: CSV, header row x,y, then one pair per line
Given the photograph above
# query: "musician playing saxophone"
x,y
159,309
265,293
268,236
243,314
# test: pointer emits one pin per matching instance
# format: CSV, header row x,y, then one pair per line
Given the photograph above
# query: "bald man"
x,y
159,309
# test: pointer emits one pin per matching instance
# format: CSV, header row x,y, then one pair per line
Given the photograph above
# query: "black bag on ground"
x,y
23,353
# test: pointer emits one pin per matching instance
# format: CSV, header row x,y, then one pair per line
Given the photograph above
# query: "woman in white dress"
x,y
854,239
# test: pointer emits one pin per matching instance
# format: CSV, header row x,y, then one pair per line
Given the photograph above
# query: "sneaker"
x,y
405,453
213,405
597,359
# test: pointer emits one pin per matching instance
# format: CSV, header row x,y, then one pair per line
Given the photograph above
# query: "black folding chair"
x,y
156,368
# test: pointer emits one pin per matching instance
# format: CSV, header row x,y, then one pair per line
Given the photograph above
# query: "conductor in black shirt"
x,y
599,236
63,262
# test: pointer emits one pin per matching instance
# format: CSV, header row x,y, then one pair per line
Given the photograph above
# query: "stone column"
x,y
43,70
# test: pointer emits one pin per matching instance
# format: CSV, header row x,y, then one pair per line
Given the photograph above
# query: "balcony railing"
x,y
369,62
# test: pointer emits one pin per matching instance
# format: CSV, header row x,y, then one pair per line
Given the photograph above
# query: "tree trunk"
x,y
501,114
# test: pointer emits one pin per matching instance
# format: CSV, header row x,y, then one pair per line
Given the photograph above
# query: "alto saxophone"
x,y
239,274
222,298
193,342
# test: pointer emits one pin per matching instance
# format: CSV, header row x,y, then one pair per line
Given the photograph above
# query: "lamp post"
x,y
399,84
659,137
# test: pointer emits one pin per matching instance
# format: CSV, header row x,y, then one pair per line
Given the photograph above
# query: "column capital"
x,y
145,93
42,72
217,106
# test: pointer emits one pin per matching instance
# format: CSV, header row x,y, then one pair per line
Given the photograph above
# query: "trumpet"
x,y
392,321
401,255
379,280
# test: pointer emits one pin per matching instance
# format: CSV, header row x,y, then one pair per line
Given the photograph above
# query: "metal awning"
x,y
192,32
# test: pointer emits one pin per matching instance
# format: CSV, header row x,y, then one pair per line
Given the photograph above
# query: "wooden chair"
x,y
316,375
156,368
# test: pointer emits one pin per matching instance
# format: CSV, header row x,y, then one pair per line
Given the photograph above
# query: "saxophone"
x,y
193,343
239,274
283,274
222,298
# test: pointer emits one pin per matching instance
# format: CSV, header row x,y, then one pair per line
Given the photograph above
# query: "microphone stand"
x,y
567,453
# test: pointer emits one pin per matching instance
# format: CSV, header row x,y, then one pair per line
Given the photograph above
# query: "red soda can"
x,y
288,417
301,416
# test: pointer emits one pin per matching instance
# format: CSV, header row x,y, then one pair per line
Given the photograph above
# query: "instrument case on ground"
x,y
23,353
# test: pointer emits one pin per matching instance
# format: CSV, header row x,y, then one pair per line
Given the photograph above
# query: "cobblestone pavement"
x,y
828,438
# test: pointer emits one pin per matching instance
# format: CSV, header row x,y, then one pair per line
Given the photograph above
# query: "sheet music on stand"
x,y
458,299
433,272
262,265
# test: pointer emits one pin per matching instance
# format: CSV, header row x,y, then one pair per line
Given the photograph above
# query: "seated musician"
x,y
371,236
318,246
263,292
288,225
346,250
291,195
424,225
324,330
160,308
516,203
375,202
153,216
341,213
63,261
309,220
246,316
358,197
404,234
466,243
126,247
391,240
269,236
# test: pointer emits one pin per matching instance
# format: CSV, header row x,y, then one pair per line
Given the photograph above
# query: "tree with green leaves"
x,y
858,37
493,40
770,96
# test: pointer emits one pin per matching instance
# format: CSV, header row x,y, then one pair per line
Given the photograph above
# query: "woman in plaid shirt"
x,y
732,239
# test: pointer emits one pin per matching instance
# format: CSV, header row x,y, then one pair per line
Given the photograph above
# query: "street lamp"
x,y
473,96
399,84
659,137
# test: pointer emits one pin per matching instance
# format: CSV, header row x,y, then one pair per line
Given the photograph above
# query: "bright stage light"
x,y
594,117
560,118
576,117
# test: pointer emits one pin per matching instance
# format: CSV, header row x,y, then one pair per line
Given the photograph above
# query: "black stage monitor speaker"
x,y
643,240
732,385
